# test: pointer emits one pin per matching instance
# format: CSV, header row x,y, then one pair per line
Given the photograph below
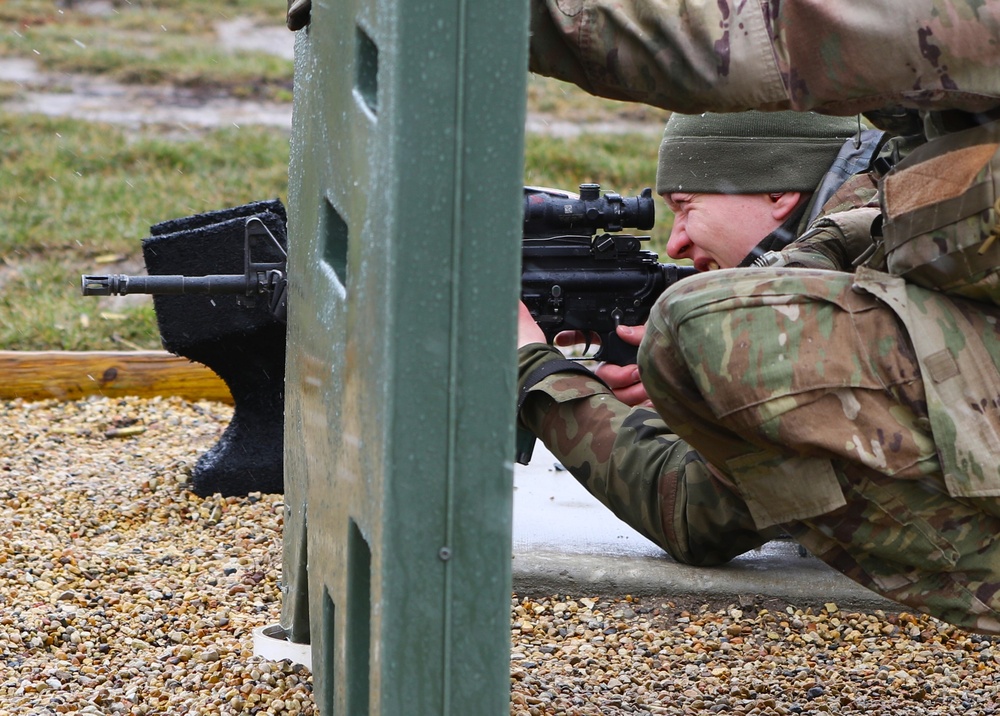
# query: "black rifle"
x,y
572,278
576,279
259,279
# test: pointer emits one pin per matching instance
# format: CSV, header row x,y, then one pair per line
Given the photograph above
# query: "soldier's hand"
x,y
624,379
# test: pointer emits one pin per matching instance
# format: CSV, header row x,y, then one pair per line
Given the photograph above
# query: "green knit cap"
x,y
749,152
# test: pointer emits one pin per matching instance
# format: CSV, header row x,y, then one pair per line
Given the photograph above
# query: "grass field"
x,y
78,197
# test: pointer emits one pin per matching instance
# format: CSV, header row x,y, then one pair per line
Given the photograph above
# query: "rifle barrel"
x,y
121,285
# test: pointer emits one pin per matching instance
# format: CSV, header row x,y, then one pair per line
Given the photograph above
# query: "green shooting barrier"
x,y
405,202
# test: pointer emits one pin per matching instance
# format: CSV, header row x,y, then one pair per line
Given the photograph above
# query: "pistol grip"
x,y
615,350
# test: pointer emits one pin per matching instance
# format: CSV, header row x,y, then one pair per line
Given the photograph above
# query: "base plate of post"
x,y
271,642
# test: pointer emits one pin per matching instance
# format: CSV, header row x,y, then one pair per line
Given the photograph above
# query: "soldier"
x,y
742,187
859,412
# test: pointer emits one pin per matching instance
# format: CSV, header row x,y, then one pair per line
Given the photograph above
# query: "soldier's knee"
x,y
705,522
675,307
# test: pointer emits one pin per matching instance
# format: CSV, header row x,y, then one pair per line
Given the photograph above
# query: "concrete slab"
x,y
566,542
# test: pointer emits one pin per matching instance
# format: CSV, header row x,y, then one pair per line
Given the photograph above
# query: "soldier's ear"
x,y
784,203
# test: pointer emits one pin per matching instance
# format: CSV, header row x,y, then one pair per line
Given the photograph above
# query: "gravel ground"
x,y
121,592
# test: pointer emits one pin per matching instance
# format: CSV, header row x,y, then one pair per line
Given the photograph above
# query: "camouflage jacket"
x,y
838,57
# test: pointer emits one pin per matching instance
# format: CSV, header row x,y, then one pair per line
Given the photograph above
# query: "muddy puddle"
x,y
98,99
179,110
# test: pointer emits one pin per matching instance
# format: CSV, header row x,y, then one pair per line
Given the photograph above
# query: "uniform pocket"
x,y
780,489
888,529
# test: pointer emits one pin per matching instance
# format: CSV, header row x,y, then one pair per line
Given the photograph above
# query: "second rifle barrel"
x,y
120,284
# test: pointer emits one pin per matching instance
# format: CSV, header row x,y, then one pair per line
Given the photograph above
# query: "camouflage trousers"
x,y
805,396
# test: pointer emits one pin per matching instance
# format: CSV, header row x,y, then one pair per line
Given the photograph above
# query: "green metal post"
x,y
404,231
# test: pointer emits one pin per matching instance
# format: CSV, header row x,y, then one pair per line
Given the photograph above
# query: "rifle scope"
x,y
548,210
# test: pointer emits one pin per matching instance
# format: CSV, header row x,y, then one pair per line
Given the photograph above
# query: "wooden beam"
x,y
70,375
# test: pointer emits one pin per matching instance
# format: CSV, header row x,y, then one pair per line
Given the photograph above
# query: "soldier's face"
x,y
718,230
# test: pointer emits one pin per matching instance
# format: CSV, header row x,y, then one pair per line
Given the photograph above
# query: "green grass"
x,y
72,193
78,197
567,102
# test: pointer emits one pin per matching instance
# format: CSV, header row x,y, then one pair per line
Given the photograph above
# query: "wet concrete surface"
x,y
552,511
566,542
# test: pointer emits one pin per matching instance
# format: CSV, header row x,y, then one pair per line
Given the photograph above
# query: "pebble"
x,y
122,592
664,657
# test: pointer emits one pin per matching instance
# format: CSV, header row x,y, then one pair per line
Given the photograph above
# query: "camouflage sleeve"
x,y
834,242
820,248
630,461
840,56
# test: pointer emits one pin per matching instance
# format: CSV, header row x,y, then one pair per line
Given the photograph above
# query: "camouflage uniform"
x,y
839,57
856,411
806,395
